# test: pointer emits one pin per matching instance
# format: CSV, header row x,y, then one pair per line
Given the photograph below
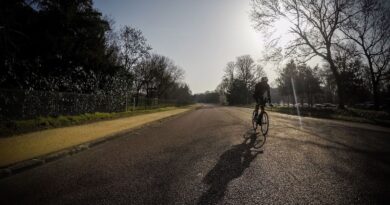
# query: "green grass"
x,y
10,128
349,114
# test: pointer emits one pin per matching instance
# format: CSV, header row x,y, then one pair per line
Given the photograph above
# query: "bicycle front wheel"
x,y
254,120
264,123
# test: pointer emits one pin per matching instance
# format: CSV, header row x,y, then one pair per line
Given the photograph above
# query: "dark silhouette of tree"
x,y
134,47
355,78
369,29
67,46
17,51
284,82
246,70
311,84
306,83
207,97
157,73
74,43
246,73
239,80
181,93
238,93
56,45
315,24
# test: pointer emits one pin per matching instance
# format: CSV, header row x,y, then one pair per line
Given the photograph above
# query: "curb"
x,y
18,167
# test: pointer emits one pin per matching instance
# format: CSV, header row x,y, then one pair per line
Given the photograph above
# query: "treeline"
x,y
212,97
296,84
352,38
300,83
68,46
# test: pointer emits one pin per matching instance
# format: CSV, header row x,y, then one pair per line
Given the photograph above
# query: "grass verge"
x,y
16,127
348,114
35,144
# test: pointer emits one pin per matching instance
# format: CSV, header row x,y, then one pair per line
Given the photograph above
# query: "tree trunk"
x,y
136,98
311,100
374,82
340,92
376,94
339,83
288,101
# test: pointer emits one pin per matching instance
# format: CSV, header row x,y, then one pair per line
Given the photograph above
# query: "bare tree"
x,y
370,30
155,75
139,78
165,74
229,71
239,80
245,70
134,46
259,73
315,24
133,50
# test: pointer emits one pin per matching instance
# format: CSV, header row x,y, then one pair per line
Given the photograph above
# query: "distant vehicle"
x,y
359,105
369,105
329,105
297,105
365,105
318,105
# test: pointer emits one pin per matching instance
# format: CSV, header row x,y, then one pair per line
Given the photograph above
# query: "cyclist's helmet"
x,y
264,79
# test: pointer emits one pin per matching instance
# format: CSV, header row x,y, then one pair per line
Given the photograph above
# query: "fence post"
x,y
133,103
126,102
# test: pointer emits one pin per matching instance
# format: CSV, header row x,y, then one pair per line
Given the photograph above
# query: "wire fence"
x,y
21,104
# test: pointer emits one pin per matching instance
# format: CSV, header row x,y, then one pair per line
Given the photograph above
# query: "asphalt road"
x,y
203,157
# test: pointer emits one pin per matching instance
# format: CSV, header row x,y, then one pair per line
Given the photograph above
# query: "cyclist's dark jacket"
x,y
260,89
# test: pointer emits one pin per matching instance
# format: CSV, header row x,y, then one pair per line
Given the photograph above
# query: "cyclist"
x,y
260,89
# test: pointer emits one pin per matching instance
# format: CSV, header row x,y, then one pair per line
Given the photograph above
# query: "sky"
x,y
200,36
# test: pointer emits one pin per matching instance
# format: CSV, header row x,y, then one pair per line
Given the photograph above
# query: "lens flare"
x,y
296,103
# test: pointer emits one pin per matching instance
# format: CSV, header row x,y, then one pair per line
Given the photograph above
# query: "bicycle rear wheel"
x,y
264,123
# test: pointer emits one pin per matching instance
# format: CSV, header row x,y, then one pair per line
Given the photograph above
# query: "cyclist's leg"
x,y
257,107
261,104
261,113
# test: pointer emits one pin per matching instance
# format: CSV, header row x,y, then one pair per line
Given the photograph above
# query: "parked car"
x,y
365,105
318,105
329,105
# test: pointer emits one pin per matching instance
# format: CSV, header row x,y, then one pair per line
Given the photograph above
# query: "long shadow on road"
x,y
231,165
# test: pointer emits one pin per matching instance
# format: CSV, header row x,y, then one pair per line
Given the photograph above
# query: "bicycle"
x,y
263,122
259,141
